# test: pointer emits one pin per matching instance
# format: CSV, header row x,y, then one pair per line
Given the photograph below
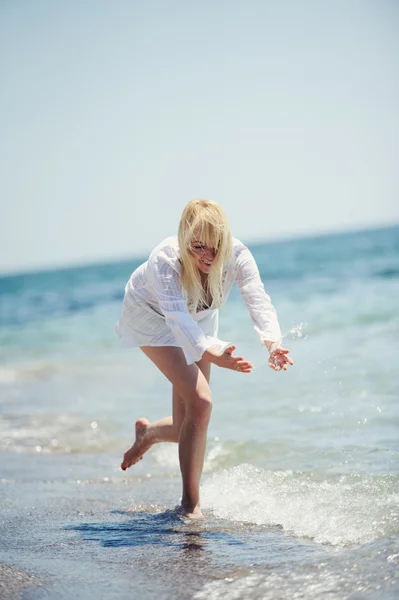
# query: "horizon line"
x,y
104,261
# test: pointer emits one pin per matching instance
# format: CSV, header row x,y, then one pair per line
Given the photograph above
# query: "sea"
x,y
300,488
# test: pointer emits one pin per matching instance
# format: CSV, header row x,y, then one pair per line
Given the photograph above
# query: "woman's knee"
x,y
199,407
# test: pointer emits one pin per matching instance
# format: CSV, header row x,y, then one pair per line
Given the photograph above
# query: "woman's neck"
x,y
204,278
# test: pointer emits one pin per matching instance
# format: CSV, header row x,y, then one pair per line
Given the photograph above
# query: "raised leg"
x,y
163,430
168,428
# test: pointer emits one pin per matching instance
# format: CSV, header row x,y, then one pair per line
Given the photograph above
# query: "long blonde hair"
x,y
206,221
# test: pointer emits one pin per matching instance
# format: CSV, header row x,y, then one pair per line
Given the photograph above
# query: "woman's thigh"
x,y
205,367
189,381
178,400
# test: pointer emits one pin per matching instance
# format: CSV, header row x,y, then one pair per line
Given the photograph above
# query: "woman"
x,y
170,311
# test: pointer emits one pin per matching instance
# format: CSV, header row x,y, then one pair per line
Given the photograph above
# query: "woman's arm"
x,y
261,310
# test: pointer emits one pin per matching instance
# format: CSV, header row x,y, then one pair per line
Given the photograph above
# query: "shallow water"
x,y
300,485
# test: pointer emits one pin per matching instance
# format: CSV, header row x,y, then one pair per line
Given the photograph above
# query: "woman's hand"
x,y
226,360
279,359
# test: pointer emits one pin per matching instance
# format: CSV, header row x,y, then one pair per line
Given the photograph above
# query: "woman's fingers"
x,y
277,365
236,363
282,353
242,365
279,359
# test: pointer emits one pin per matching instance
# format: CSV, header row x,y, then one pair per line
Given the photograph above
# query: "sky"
x,y
113,115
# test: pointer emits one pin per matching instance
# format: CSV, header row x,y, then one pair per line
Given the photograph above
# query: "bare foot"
x,y
194,516
186,512
140,446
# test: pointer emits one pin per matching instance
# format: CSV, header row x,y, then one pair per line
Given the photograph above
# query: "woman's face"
x,y
202,255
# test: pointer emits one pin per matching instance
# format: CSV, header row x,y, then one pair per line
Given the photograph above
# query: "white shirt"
x,y
155,311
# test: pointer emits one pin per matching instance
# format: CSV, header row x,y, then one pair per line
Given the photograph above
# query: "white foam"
x,y
36,372
8,375
349,511
274,586
48,433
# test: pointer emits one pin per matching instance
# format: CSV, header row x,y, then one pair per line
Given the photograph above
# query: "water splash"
x,y
352,510
296,332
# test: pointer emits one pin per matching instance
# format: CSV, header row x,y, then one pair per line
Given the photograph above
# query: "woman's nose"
x,y
209,253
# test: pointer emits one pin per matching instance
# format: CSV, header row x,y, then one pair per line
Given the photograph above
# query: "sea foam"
x,y
350,510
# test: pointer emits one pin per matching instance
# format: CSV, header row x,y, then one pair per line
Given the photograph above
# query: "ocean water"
x,y
300,486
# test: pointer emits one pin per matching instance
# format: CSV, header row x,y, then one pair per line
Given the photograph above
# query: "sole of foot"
x,y
135,453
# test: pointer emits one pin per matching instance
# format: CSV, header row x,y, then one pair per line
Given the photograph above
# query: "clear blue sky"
x,y
114,114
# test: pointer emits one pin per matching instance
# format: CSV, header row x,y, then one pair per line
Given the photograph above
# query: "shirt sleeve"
x,y
261,310
168,290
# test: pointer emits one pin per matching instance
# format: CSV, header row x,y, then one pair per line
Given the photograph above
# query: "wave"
x,y
52,434
39,372
370,572
353,510
388,273
45,370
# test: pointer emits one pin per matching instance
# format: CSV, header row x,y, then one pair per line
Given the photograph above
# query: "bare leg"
x,y
163,430
168,428
192,386
192,447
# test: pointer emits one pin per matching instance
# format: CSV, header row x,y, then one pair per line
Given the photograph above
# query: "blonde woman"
x,y
170,311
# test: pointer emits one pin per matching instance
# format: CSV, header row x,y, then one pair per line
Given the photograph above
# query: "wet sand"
x,y
13,582
74,526
105,537
101,537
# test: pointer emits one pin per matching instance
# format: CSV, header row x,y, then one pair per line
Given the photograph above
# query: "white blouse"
x,y
155,311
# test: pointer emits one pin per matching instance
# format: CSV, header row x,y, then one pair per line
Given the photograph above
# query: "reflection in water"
x,y
193,542
159,529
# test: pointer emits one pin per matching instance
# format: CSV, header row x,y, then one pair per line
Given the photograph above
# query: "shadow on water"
x,y
153,529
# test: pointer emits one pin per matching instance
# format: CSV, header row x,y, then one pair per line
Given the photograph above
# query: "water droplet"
x,y
297,331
